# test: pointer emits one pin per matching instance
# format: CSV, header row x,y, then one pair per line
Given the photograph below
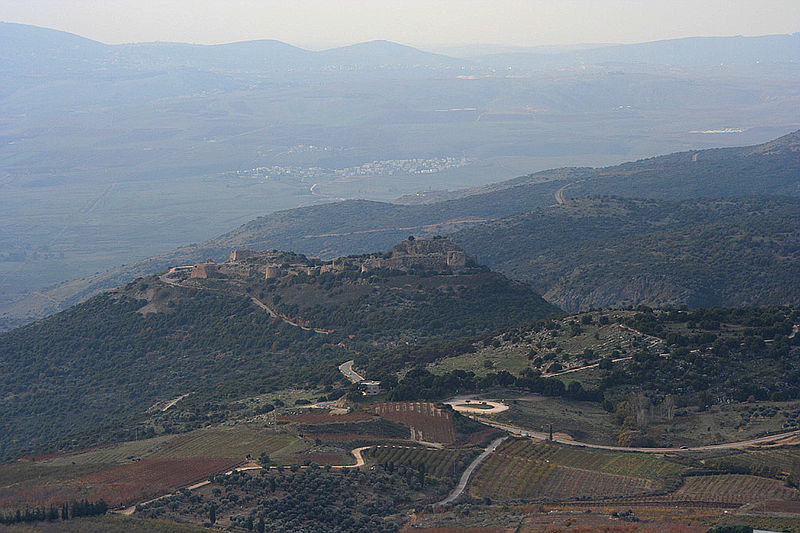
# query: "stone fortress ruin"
x,y
436,254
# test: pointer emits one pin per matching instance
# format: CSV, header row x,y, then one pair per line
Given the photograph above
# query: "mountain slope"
x,y
107,361
609,252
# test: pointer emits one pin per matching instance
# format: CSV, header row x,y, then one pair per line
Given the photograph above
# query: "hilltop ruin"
x,y
437,254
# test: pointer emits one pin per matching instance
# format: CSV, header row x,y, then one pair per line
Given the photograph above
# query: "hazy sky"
x,y
319,23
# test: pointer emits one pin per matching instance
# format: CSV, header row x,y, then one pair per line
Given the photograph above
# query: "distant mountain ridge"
x,y
358,226
20,44
690,51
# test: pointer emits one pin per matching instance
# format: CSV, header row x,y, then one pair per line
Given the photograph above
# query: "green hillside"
x,y
107,361
611,252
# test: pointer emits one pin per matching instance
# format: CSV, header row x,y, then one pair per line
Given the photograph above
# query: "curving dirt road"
x,y
357,453
578,369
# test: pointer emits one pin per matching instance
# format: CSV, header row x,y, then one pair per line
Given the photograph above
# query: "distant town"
x,y
387,167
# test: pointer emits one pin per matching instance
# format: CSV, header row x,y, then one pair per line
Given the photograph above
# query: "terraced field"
x,y
524,468
733,489
627,464
510,478
438,463
427,422
769,463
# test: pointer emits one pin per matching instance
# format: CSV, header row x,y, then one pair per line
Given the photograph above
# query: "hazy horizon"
x,y
318,24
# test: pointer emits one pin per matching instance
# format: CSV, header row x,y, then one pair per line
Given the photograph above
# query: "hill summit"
x,y
438,255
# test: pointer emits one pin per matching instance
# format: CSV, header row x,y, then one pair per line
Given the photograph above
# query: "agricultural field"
x,y
438,463
457,530
641,465
732,489
106,524
110,454
544,518
130,471
325,417
776,463
580,523
122,484
529,469
428,423
238,441
515,478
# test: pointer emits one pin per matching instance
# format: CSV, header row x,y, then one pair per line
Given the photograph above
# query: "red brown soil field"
x,y
123,484
582,523
792,507
427,422
456,530
355,437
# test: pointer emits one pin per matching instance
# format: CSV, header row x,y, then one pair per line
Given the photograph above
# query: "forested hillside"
x,y
106,361
611,252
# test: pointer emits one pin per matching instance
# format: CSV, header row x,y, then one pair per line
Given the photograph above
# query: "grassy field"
x,y
768,463
538,350
730,422
589,422
503,478
116,453
584,421
238,441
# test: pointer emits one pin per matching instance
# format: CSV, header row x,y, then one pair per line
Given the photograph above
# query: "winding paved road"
x,y
346,368
462,483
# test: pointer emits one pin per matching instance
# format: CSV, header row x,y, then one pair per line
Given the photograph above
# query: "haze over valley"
x,y
115,153
459,287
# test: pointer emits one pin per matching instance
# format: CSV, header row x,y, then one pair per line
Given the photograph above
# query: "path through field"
x,y
462,483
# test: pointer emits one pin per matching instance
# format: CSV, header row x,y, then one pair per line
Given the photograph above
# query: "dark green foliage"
x,y
102,361
89,374
604,252
421,384
310,500
736,363
76,509
389,305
